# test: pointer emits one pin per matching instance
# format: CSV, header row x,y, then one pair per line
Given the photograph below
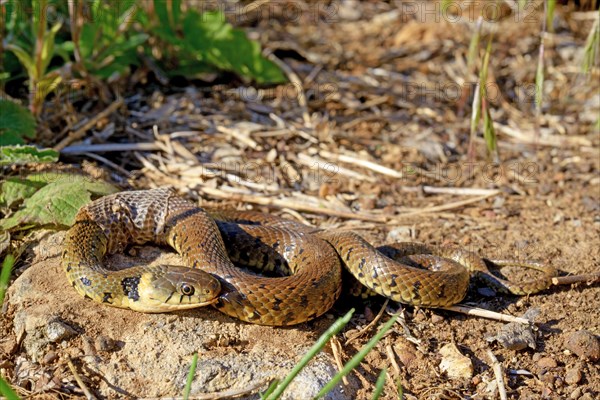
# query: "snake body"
x,y
303,264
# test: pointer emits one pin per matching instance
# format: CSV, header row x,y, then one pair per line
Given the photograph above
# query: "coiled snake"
x,y
276,245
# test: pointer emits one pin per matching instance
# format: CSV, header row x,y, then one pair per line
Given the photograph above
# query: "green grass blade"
x,y
550,6
379,384
485,66
313,351
489,134
474,45
270,389
6,390
190,377
7,265
400,389
590,52
354,361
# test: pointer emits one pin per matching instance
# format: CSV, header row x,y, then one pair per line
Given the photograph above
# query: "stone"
x,y
583,343
573,375
455,364
547,363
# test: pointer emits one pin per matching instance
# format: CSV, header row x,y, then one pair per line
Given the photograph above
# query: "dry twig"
x,y
289,203
336,348
82,386
80,133
370,325
480,312
497,368
568,280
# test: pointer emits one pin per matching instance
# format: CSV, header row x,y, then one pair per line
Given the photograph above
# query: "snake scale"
x,y
303,265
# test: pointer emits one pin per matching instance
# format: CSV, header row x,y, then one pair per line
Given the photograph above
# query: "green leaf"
x,y
489,133
48,46
25,59
16,123
474,45
47,85
57,203
209,38
26,154
87,40
15,190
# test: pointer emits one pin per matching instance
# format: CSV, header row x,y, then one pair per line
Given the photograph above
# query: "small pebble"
x,y
50,357
548,377
547,363
546,392
406,353
436,318
586,396
57,331
573,375
575,394
420,317
104,343
583,343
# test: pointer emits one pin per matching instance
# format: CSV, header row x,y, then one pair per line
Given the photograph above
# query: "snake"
x,y
257,267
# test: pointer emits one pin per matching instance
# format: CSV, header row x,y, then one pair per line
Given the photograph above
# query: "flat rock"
x,y
150,354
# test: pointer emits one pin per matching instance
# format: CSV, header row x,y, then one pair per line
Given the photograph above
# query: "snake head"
x,y
173,288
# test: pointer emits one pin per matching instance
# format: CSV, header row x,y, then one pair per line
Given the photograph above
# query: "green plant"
x,y
205,42
16,124
103,40
34,49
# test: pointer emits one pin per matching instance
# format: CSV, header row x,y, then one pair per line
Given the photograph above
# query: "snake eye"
x,y
187,290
